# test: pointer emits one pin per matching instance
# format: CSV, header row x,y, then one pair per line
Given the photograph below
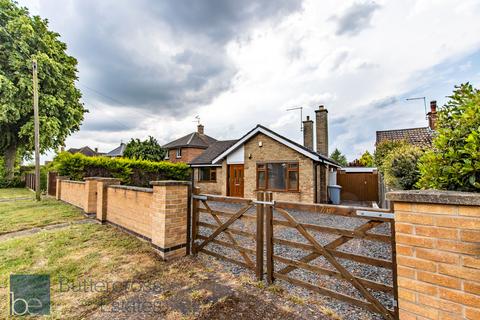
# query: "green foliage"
x,y
454,161
149,149
22,38
384,148
400,167
366,159
339,157
130,171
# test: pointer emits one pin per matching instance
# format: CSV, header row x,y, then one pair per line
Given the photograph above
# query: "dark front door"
x,y
235,180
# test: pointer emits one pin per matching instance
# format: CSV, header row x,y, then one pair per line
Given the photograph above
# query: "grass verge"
x,y
7,193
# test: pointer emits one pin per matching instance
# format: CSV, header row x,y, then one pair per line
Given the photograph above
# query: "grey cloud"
x,y
167,57
356,18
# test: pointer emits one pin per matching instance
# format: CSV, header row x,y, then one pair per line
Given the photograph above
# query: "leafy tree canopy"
x,y
339,157
366,159
149,149
400,167
384,148
23,38
454,161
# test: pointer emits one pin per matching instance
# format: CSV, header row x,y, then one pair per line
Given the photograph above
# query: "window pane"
x,y
293,165
213,174
292,180
276,176
261,166
261,179
204,174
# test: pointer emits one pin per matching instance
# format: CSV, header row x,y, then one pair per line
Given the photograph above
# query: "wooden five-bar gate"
x,y
248,232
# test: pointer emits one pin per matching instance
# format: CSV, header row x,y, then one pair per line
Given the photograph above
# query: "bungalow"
x,y
265,160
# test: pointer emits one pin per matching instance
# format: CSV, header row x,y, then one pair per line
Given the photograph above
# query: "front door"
x,y
235,180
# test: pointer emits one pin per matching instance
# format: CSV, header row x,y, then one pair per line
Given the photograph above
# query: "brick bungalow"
x,y
265,160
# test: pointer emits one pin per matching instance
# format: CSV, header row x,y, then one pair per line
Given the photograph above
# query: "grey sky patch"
x,y
166,57
355,18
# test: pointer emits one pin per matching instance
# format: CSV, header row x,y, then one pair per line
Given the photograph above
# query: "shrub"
x,y
384,148
400,167
129,171
149,149
366,160
454,161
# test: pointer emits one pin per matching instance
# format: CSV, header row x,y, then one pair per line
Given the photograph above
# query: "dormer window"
x,y
179,153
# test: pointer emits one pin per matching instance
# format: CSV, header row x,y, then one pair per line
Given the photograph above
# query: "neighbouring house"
x,y
421,137
188,147
265,160
87,151
117,152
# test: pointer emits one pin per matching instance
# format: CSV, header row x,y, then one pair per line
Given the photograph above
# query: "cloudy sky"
x,y
149,67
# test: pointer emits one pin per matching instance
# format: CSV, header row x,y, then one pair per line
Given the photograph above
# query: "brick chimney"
x,y
308,133
200,128
321,116
432,115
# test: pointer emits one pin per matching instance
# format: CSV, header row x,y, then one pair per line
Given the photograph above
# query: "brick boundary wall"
x,y
158,215
438,254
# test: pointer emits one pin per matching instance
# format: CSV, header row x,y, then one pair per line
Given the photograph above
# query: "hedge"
x,y
130,171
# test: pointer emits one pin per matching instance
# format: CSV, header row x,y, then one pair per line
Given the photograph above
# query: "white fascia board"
x,y
269,134
205,165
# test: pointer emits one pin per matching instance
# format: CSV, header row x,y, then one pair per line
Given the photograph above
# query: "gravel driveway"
x,y
368,248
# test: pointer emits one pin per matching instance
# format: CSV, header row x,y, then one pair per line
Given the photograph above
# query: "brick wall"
x,y
272,150
72,192
438,254
131,208
157,214
188,154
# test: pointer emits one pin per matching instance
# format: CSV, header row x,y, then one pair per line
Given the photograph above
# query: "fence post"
x,y
269,237
259,251
195,218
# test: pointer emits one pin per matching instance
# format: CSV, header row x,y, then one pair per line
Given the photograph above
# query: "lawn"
x,y
25,214
8,193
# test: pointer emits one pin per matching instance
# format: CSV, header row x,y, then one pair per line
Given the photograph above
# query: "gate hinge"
x,y
395,303
198,197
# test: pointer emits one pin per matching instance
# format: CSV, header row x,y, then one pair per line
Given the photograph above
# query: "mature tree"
x,y
454,161
384,148
400,167
149,149
339,157
23,38
366,159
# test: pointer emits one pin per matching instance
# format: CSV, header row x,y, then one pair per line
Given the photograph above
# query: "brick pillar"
x,y
169,221
90,199
438,254
102,196
58,191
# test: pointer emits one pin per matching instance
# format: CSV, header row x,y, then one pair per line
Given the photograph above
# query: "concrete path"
x,y
27,232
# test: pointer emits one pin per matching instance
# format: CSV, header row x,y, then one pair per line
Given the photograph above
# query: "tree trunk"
x,y
10,157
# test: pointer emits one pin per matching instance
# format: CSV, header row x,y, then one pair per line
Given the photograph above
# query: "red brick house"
x,y
265,160
188,147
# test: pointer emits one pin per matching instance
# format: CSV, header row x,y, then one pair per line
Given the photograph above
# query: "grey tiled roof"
x,y
213,151
85,151
421,137
117,152
193,139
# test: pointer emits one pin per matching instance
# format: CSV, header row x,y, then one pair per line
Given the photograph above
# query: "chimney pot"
x,y
432,115
200,128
